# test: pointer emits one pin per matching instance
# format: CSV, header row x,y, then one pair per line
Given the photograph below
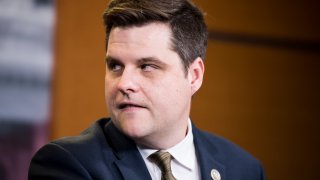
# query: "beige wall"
x,y
265,98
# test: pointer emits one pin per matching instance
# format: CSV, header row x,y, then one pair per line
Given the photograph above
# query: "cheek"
x,y
172,93
109,89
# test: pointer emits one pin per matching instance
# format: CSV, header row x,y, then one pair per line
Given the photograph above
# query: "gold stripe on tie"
x,y
163,160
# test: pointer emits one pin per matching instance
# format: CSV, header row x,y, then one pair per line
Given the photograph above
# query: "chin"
x,y
133,133
131,127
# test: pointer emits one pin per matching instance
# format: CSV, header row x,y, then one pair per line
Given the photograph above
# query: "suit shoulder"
x,y
89,145
93,136
86,155
227,151
238,162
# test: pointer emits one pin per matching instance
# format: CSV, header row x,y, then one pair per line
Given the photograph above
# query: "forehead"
x,y
152,35
150,30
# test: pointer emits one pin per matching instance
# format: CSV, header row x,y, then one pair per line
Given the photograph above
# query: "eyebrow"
x,y
109,59
150,59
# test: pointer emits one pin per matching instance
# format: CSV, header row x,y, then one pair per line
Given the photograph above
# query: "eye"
x,y
114,66
148,67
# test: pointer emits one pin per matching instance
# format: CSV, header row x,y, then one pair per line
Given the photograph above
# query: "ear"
x,y
195,74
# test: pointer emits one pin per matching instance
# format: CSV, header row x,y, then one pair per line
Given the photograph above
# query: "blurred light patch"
x,y
26,57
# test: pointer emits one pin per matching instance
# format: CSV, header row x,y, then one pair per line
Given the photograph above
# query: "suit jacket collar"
x,y
132,166
207,156
129,160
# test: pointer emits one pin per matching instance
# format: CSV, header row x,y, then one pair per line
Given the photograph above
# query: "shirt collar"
x,y
183,152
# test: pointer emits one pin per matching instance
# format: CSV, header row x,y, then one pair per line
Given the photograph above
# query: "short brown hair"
x,y
186,21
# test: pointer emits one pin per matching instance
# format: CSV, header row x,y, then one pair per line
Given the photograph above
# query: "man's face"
x,y
147,91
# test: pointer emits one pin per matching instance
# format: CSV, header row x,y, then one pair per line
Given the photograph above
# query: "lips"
x,y
128,105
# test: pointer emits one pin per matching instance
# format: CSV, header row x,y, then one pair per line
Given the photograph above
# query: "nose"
x,y
128,81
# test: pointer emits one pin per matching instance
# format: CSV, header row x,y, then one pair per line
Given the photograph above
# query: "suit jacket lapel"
x,y
206,156
129,160
132,166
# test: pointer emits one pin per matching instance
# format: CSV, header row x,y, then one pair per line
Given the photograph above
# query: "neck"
x,y
165,139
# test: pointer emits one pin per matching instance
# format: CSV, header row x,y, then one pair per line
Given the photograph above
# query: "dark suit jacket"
x,y
103,152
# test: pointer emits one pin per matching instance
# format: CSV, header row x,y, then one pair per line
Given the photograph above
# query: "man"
x,y
154,65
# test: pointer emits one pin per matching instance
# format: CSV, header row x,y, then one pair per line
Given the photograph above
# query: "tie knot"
x,y
163,160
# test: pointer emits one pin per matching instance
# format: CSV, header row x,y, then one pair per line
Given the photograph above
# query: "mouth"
x,y
128,105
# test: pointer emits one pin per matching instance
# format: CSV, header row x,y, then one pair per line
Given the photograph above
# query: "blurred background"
x,y
261,86
26,58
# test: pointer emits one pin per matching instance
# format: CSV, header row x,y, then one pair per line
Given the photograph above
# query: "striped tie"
x,y
163,161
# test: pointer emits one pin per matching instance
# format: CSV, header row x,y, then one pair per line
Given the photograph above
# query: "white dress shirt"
x,y
184,165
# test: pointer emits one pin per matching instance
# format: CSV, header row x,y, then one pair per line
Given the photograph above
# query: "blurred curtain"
x,y
26,58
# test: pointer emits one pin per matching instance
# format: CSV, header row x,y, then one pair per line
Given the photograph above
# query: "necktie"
x,y
163,160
